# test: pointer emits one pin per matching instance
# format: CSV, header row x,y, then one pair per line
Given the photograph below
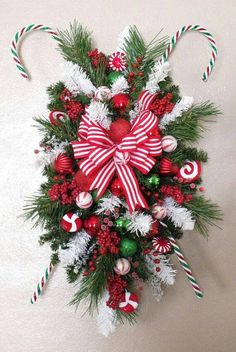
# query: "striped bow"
x,y
103,158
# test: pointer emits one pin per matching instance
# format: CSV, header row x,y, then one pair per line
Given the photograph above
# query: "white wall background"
x,y
180,322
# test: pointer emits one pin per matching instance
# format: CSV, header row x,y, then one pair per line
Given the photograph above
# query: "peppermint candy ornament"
x,y
169,144
103,93
122,266
158,211
161,245
56,116
129,302
84,200
71,222
190,172
117,62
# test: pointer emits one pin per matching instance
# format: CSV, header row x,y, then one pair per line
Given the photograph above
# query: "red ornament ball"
x,y
63,164
119,129
120,101
116,188
71,222
92,225
167,167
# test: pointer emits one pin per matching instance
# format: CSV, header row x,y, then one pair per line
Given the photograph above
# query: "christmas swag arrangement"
x,y
123,179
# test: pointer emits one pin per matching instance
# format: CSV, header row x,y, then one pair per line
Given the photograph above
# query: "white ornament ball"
x,y
122,266
169,144
103,93
158,211
84,200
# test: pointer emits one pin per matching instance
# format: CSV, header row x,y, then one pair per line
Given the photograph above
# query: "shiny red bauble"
x,y
92,225
167,167
63,164
119,129
116,187
120,101
154,229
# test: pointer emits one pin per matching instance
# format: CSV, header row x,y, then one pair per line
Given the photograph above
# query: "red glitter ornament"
x,y
63,164
117,62
116,187
120,101
83,181
92,225
119,129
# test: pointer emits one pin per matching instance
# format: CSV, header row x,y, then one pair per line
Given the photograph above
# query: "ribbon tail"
x,y
103,178
134,197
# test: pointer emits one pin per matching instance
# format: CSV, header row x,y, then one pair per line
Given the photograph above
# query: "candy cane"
x,y
40,286
186,268
16,39
208,35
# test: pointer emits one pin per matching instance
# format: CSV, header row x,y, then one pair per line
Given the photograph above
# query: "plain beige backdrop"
x,y
179,322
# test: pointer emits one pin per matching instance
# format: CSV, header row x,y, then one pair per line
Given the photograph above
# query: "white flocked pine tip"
x,y
123,36
158,74
98,112
180,216
139,222
110,202
183,105
76,80
119,86
106,318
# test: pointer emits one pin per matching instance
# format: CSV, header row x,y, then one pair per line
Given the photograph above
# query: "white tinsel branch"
x,y
106,319
110,202
139,222
48,156
98,112
78,250
166,273
119,86
154,280
183,105
123,36
77,81
158,73
180,216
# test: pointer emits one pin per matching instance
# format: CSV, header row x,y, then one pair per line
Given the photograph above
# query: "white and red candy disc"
x,y
190,172
84,200
117,61
122,266
169,144
56,116
129,302
71,222
158,211
161,245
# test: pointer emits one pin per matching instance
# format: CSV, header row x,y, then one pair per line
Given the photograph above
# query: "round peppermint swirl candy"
x,y
161,245
190,172
56,116
122,266
129,302
84,200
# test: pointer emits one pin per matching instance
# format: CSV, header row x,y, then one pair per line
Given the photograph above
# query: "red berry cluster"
x,y
161,106
108,241
66,192
173,191
91,264
116,288
97,57
73,108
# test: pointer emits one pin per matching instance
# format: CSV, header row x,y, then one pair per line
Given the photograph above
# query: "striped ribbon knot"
x,y
103,158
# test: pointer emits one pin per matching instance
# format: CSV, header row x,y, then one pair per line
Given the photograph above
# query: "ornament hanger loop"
x,y
211,41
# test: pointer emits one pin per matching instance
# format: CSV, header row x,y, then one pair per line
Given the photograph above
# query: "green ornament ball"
x,y
128,247
112,77
154,180
121,225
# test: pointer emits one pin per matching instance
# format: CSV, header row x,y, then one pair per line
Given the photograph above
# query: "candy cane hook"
x,y
186,268
40,286
207,34
16,39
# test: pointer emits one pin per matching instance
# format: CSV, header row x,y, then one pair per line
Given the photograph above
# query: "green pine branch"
x,y
182,153
189,127
205,212
75,43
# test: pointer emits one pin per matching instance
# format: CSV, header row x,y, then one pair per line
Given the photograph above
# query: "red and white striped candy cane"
x,y
186,268
16,39
41,284
207,34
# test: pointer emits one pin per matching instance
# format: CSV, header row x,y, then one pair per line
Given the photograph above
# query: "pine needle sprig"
x,y
183,153
205,212
190,127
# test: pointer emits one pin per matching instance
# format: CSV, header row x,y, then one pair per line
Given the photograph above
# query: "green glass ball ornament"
x,y
121,225
112,76
154,180
128,247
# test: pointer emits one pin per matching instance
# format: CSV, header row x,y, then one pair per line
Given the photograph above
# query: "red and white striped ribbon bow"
x,y
103,158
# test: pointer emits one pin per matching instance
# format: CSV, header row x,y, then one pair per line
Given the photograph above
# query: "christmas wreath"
x,y
123,179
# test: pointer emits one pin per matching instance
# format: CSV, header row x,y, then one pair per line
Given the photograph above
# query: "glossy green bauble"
x,y
154,180
112,77
128,247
